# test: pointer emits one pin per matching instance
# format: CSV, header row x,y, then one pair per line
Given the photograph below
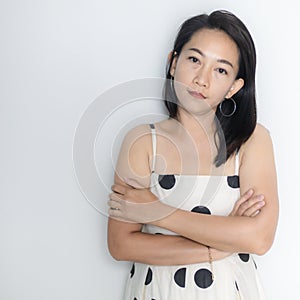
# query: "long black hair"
x,y
237,128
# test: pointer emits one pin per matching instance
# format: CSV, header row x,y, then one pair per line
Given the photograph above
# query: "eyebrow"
x,y
224,61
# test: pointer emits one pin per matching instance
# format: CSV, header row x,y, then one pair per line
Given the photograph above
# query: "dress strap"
x,y
237,162
153,132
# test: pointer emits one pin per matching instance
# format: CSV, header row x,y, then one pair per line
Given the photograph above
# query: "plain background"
x,y
56,57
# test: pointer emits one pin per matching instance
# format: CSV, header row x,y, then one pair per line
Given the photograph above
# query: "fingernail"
x,y
261,203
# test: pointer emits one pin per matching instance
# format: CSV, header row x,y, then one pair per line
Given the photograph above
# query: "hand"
x,y
133,203
248,205
132,191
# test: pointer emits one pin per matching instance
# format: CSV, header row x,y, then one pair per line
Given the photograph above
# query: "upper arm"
x,y
258,171
133,162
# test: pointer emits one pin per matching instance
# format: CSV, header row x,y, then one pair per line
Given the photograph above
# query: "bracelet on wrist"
x,y
210,260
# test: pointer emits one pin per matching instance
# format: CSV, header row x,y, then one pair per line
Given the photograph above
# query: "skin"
x,y
252,223
205,68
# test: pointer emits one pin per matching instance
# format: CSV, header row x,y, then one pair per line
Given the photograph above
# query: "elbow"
x,y
261,237
115,249
262,245
261,250
120,246
115,254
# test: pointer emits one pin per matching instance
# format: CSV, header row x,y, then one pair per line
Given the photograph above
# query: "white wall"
x,y
56,57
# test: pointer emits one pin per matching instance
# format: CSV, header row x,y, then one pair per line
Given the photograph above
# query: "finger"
x,y
133,183
116,197
245,196
114,213
242,199
120,189
250,206
256,213
253,210
114,204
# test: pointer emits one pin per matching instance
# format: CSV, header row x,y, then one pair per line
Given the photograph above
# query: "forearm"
x,y
228,233
232,234
159,249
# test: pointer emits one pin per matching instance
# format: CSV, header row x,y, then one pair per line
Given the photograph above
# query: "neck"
x,y
200,127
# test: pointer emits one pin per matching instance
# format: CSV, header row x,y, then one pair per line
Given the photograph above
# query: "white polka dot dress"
x,y
235,277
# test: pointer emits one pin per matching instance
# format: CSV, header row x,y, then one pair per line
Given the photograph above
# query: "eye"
x,y
193,59
222,71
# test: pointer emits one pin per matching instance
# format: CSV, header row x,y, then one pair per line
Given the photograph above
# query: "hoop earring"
x,y
234,108
172,83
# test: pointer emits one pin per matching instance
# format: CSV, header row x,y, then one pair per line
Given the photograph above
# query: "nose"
x,y
202,78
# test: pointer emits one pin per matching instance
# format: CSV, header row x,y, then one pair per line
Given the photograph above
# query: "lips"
x,y
197,95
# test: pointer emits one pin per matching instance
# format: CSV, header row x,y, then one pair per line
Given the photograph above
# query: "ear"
x,y
236,86
173,66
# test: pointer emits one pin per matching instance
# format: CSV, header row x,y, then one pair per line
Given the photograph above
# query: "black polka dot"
x,y
179,277
236,285
233,181
203,278
158,233
201,209
244,257
132,271
148,277
166,181
134,298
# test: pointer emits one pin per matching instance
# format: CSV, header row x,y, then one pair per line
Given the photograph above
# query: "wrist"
x,y
164,213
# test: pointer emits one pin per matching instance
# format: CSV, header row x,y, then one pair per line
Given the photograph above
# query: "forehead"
x,y
215,43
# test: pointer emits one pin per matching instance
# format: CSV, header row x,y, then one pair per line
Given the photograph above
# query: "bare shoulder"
x,y
260,132
138,132
259,143
260,135
141,134
137,141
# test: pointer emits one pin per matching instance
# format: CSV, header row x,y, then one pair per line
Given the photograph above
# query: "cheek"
x,y
183,73
221,94
223,84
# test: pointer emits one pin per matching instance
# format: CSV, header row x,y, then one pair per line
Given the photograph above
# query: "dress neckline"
x,y
191,175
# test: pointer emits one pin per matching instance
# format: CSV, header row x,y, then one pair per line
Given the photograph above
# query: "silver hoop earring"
x,y
172,83
234,108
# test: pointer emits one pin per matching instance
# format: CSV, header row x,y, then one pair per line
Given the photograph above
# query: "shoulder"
x,y
138,131
259,143
142,135
137,139
260,129
260,134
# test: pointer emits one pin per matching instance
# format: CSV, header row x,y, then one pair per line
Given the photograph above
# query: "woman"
x,y
203,182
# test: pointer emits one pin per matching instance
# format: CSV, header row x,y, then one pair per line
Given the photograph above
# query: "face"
x,y
205,71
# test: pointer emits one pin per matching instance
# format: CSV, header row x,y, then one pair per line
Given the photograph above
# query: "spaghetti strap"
x,y
237,162
153,146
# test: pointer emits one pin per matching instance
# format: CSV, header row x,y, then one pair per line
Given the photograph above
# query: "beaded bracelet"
x,y
210,262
